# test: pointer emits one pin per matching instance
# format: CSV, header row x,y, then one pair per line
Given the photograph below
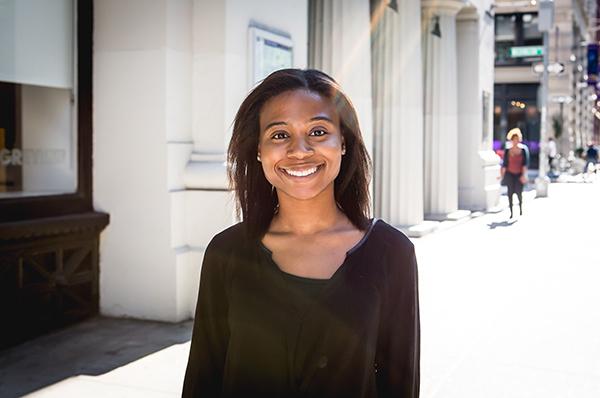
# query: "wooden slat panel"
x,y
75,260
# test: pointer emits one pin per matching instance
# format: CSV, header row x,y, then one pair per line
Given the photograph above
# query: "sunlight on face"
x,y
300,144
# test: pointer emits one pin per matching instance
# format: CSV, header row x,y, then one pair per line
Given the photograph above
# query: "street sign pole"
x,y
546,20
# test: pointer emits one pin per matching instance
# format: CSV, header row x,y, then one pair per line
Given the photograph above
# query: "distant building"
x,y
519,47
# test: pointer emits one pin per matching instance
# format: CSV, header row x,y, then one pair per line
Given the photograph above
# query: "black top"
x,y
591,153
304,292
355,335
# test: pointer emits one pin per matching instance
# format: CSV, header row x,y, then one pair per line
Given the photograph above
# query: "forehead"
x,y
297,105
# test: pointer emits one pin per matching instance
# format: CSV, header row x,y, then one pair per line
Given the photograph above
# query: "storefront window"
x,y
516,105
38,98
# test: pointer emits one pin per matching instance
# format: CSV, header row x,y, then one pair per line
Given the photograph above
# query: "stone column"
x,y
142,139
398,115
339,45
441,141
478,165
206,168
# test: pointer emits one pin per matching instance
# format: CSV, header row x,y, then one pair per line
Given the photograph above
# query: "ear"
x,y
258,153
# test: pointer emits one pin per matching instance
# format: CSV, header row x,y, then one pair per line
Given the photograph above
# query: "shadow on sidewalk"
x,y
507,223
93,347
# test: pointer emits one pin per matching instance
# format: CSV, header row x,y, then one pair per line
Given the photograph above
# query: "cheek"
x,y
269,174
269,159
270,154
334,147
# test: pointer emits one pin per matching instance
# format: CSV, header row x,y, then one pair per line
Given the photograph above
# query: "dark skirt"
x,y
513,182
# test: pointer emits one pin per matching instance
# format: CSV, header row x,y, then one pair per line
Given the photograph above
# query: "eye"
x,y
318,133
279,135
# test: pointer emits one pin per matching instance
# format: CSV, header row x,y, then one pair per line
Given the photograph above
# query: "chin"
x,y
304,194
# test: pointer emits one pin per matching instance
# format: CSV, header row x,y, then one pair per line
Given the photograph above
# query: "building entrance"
x,y
516,105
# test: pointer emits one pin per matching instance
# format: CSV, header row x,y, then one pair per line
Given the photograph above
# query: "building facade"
x,y
168,76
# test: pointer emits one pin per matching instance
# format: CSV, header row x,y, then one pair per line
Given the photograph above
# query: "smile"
x,y
302,172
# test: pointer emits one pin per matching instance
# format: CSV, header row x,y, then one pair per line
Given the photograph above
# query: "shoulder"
x,y
391,256
229,240
391,239
229,235
226,251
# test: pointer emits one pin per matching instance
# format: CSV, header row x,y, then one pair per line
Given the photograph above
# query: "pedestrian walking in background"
x,y
514,168
552,152
307,296
591,158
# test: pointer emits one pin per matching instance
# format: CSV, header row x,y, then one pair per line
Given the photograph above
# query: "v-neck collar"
x,y
353,249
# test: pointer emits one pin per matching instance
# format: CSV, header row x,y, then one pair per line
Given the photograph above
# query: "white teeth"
x,y
301,173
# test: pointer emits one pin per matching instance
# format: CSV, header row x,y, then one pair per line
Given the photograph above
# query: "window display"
x,y
38,117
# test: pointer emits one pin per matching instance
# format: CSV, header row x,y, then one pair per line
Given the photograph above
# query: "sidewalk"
x,y
101,357
509,309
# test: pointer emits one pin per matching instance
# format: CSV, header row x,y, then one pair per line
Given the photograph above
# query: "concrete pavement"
x,y
509,309
101,357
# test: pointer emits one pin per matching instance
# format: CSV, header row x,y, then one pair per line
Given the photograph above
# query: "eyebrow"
x,y
274,124
312,119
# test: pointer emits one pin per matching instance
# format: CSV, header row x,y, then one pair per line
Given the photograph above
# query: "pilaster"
x,y
441,113
339,45
398,116
206,168
478,165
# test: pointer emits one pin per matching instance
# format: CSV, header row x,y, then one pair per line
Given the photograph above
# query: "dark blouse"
x,y
304,292
260,333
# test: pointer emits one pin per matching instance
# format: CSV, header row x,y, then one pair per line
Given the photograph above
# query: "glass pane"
x,y
505,28
531,34
502,51
499,128
36,42
38,124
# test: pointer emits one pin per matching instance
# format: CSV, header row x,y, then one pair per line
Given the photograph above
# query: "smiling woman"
x,y
271,108
306,296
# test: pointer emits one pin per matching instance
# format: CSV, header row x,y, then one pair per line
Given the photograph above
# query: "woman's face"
x,y
515,140
300,144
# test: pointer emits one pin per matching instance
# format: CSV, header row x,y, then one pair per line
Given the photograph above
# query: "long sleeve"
x,y
398,347
210,336
505,158
525,156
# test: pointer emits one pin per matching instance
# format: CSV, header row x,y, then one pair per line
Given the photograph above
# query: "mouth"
x,y
301,172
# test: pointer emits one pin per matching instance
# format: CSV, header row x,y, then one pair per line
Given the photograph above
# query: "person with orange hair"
x,y
514,168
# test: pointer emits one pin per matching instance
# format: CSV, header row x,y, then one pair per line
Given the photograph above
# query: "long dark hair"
x,y
255,196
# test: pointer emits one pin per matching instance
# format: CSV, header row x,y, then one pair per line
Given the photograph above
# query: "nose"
x,y
300,148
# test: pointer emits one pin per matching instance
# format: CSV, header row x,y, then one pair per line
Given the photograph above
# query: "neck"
x,y
306,217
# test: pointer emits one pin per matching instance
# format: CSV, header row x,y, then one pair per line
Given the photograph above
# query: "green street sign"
x,y
526,51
